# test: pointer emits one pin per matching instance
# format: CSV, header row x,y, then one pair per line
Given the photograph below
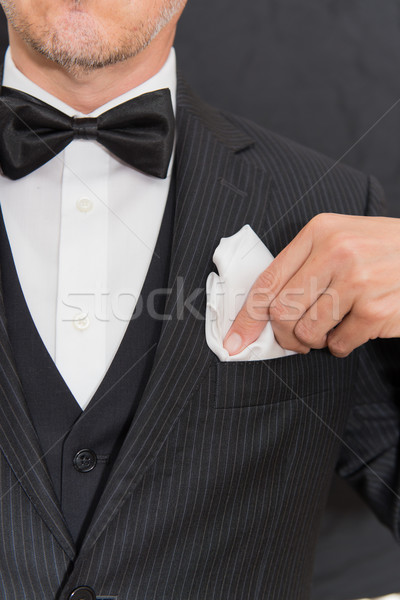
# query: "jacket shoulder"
x,y
325,183
287,155
301,176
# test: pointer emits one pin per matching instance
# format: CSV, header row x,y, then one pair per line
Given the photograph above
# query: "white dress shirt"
x,y
82,230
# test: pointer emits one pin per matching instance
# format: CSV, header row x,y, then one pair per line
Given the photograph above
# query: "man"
x,y
149,469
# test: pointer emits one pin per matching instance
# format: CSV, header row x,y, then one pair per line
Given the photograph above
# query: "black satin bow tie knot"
x,y
140,132
85,129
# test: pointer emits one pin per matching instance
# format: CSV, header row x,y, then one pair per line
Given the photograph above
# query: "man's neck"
x,y
87,91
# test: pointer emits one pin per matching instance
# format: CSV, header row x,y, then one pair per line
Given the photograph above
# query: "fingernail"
x,y
233,343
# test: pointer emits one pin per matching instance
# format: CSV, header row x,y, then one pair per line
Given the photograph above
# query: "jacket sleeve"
x,y
370,456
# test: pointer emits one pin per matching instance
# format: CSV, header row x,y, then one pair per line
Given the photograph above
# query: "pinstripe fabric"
x,y
220,484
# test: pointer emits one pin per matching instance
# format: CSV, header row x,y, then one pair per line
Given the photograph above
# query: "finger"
x,y
254,315
348,335
324,315
296,299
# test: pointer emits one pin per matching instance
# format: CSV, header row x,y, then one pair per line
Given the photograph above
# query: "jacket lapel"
x,y
18,439
215,198
20,445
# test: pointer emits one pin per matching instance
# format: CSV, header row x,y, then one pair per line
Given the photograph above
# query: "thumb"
x,y
253,316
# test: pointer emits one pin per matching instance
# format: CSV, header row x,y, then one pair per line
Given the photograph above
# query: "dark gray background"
x,y
322,72
327,74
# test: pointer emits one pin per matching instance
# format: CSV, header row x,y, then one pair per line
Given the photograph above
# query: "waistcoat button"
x,y
85,461
82,593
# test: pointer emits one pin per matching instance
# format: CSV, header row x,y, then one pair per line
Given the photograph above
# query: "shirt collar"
x,y
165,78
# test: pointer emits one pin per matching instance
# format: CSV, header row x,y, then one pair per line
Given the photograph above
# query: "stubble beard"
x,y
80,44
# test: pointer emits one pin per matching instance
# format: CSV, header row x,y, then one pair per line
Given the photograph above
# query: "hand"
x,y
337,284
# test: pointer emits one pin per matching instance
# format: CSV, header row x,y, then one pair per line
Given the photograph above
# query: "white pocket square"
x,y
239,259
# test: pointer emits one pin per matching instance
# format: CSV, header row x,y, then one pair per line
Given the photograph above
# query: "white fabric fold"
x,y
240,259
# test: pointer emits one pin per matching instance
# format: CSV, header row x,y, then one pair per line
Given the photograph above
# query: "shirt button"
x,y
82,593
84,205
81,321
85,460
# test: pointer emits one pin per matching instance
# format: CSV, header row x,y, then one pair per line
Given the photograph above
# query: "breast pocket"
x,y
260,383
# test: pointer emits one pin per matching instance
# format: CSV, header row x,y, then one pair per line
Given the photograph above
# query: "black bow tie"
x,y
140,132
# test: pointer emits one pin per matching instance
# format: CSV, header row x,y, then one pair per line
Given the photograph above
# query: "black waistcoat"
x,y
80,448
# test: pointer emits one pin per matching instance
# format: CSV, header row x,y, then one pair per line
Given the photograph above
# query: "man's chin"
x,y
77,25
78,42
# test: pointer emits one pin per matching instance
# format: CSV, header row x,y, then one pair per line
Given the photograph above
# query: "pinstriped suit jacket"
x,y
220,484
